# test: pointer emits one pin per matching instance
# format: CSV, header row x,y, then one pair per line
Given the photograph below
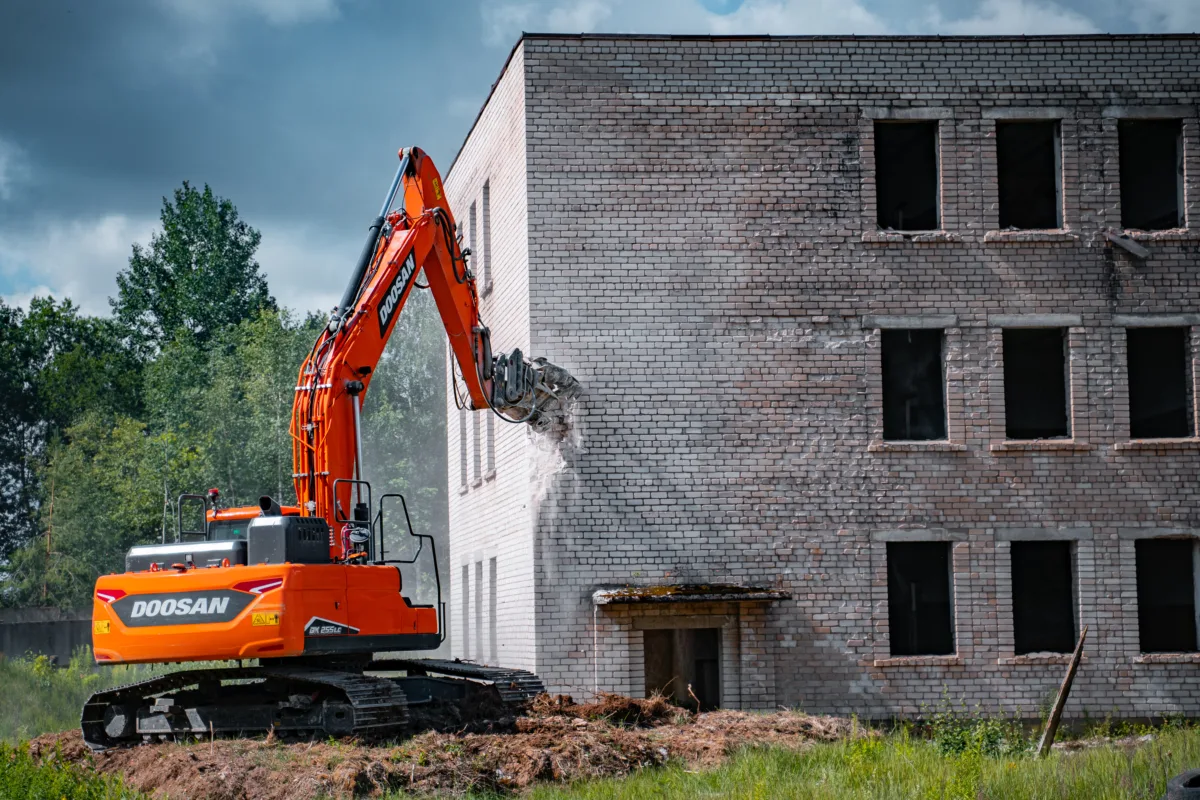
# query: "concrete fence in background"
x,y
44,631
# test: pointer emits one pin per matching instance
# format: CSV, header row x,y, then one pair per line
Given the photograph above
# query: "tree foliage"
x,y
111,485
20,442
55,364
404,426
80,364
198,275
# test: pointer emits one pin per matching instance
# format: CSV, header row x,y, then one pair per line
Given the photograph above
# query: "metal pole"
x,y
368,251
358,456
391,195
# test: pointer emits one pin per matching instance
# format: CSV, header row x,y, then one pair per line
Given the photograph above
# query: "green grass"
x,y
899,767
52,779
39,698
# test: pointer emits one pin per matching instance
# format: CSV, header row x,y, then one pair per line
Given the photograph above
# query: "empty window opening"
x,y
466,611
1166,595
1043,592
490,435
1027,172
914,405
1160,404
684,665
919,604
472,228
462,446
486,261
479,608
1151,154
492,613
1036,383
476,450
906,175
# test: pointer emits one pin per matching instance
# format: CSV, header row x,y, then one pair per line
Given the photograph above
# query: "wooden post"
x,y
1061,700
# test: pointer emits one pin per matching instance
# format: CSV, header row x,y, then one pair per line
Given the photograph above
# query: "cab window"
x,y
227,530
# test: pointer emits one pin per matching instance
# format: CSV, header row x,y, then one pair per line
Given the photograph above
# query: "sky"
x,y
295,109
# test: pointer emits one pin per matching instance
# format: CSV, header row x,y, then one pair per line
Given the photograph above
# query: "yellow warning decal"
x,y
437,189
264,619
101,626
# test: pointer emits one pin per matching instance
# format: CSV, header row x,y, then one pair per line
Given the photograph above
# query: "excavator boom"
x,y
414,234
306,589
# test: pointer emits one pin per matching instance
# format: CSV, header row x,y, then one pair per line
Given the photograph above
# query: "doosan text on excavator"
x,y
307,590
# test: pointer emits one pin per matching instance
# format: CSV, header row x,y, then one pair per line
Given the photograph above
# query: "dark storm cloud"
x,y
108,106
294,109
114,103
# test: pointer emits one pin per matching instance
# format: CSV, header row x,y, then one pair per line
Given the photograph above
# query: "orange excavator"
x,y
307,590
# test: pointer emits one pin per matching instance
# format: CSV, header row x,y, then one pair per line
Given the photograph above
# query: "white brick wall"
x,y
701,254
492,518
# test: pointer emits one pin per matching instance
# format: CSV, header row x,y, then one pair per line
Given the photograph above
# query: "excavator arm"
x,y
260,583
414,233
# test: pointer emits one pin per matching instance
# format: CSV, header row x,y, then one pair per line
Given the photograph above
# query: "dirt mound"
x,y
613,708
556,740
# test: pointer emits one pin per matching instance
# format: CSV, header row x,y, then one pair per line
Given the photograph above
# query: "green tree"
x,y
55,364
79,364
114,486
266,359
404,428
198,275
233,400
21,441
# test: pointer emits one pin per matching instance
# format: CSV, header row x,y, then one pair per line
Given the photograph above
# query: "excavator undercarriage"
x,y
305,700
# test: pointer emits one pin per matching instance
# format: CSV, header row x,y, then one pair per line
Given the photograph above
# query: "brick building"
x,y
890,349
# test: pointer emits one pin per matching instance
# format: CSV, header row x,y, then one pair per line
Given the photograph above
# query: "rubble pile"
x,y
556,740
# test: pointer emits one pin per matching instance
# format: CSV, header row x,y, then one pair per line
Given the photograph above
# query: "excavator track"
x,y
516,687
298,701
291,701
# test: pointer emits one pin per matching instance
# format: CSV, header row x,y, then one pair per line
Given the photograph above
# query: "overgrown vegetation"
x,y
22,776
104,421
54,779
901,767
38,697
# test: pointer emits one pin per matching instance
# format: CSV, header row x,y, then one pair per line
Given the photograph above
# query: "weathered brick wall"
x,y
703,256
490,516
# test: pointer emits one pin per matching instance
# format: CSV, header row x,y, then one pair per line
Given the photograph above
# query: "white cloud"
x,y
1166,16
307,271
784,17
80,259
579,17
276,12
23,298
504,22
12,168
205,25
77,259
1000,17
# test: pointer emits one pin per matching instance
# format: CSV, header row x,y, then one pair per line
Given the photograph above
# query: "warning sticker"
x,y
101,626
265,619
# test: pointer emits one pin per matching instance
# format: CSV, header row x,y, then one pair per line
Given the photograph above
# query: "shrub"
x,y
37,697
22,776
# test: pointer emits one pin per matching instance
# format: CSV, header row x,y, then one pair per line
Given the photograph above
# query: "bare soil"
x,y
556,740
